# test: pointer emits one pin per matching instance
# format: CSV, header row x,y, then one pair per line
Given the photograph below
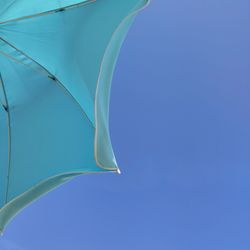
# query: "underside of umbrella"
x,y
56,64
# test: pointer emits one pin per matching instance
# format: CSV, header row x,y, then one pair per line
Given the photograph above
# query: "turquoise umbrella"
x,y
56,63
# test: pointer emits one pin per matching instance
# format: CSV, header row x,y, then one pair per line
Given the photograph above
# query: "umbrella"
x,y
56,65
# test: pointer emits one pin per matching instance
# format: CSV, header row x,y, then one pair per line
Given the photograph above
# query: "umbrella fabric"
x,y
56,65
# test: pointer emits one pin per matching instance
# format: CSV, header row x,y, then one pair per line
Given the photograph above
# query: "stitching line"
x,y
50,75
9,137
49,12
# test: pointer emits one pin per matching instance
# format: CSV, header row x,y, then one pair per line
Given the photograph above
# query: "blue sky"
x,y
180,118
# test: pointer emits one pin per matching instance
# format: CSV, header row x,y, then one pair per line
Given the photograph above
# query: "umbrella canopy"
x,y
56,65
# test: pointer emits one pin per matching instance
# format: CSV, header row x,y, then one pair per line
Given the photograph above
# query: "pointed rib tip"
x,y
118,171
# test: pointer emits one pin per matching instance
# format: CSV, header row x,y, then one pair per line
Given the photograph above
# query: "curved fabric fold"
x,y
104,154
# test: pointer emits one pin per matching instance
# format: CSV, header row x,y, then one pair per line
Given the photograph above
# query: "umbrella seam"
x,y
26,65
59,83
49,12
9,138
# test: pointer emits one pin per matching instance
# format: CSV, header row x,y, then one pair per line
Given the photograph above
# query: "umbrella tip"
x,y
118,171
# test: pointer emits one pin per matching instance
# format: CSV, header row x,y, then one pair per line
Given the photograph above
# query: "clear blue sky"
x,y
180,125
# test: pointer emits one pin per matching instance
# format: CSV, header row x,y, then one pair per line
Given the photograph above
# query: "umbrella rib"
x,y
49,12
49,75
9,137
